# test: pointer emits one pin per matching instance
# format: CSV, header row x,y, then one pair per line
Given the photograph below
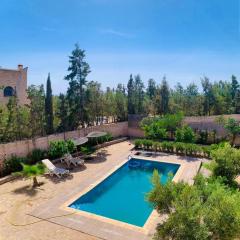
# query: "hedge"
x,y
180,148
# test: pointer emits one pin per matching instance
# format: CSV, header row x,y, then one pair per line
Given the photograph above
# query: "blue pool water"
x,y
121,196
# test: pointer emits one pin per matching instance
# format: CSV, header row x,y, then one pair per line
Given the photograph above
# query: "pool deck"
x,y
43,213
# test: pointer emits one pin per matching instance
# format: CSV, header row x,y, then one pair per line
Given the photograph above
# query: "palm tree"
x,y
32,171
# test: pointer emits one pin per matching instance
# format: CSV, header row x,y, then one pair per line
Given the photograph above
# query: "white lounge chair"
x,y
53,170
69,159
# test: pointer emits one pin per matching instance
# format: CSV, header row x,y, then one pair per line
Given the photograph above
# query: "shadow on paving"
x,y
57,180
97,158
29,190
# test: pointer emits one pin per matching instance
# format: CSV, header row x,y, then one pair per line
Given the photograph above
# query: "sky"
x,y
183,40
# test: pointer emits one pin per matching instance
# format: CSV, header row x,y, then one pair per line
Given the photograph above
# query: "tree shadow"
x,y
99,157
77,168
29,190
57,180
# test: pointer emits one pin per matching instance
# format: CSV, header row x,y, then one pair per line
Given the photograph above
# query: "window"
x,y
8,91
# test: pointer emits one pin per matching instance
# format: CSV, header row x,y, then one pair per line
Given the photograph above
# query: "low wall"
x,y
22,148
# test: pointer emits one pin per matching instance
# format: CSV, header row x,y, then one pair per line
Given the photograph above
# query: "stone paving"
x,y
27,213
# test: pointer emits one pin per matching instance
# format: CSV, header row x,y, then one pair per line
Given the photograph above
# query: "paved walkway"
x,y
18,200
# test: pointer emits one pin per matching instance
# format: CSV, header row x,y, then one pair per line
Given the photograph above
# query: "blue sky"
x,y
183,40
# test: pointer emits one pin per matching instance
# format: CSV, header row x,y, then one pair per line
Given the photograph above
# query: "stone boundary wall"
x,y
121,129
199,123
22,148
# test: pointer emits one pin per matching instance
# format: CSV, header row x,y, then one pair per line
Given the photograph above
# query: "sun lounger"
x,y
53,170
69,159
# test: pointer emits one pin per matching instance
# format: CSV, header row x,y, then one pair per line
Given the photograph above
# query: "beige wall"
x,y
17,79
22,148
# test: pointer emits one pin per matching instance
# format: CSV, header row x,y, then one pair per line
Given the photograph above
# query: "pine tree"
x,y
151,89
78,72
49,107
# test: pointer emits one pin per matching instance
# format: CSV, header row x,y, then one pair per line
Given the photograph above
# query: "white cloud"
x,y
117,33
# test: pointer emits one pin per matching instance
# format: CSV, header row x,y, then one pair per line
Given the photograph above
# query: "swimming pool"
x,y
121,196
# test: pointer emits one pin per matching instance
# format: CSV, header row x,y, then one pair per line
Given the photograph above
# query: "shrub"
x,y
35,156
94,141
167,146
147,144
157,127
71,147
203,136
13,164
180,147
138,143
206,210
227,162
156,146
190,149
86,150
185,134
59,148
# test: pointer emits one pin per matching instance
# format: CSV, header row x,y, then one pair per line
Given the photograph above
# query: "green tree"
x,y
121,103
208,96
32,171
185,134
226,163
234,88
138,95
49,107
196,212
36,96
94,102
62,113
109,106
16,121
151,89
164,91
77,77
233,128
130,87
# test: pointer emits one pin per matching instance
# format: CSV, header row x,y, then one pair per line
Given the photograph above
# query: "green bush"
x,y
86,150
206,210
147,144
167,146
138,143
13,164
59,148
226,163
203,136
181,148
71,147
35,156
94,141
185,134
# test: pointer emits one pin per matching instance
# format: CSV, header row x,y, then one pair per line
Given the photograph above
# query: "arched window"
x,y
8,91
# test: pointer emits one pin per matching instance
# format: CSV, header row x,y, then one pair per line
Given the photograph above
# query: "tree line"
x,y
86,104
219,97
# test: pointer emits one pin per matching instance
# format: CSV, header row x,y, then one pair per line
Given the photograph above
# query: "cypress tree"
x,y
130,87
49,107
